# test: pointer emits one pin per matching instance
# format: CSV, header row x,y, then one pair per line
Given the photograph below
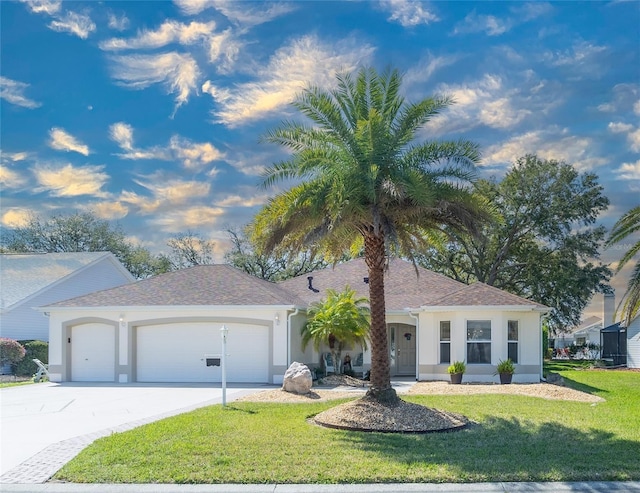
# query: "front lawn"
x,y
513,438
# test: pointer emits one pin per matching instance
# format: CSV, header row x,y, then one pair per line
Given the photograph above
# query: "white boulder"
x,y
297,379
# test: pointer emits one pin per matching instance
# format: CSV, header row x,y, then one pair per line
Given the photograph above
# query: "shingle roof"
x,y
480,294
403,286
210,285
23,275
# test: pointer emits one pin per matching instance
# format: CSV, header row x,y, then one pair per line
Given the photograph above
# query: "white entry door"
x,y
93,353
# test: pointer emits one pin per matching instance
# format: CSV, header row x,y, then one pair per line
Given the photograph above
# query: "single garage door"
x,y
176,352
93,349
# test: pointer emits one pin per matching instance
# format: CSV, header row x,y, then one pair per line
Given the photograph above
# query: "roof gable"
x,y
23,276
405,285
202,285
480,294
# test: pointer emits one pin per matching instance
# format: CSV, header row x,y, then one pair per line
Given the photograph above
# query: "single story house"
x,y
633,344
164,329
36,279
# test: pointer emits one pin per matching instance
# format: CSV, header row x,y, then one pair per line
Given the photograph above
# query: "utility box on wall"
x,y
212,359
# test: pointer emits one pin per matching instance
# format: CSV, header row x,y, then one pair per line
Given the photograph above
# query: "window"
x,y
479,341
512,340
445,342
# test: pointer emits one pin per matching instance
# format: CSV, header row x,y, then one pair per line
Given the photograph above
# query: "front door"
x,y
402,349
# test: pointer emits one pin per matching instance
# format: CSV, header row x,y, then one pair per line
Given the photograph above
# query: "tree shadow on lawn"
x,y
501,449
582,387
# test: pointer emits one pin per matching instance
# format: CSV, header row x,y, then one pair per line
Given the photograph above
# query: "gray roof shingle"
x,y
480,294
208,285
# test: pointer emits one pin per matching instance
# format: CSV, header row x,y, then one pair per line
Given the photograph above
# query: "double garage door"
x,y
173,352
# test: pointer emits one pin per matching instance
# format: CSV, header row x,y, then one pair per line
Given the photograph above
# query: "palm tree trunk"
x,y
374,255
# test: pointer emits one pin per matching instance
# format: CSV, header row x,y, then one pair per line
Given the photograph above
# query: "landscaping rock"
x,y
297,379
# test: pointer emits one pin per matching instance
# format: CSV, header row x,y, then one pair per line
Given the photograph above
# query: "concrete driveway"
x,y
36,417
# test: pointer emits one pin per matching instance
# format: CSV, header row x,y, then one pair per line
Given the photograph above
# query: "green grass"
x,y
513,438
16,383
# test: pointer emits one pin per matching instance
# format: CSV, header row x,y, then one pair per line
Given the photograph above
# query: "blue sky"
x,y
150,113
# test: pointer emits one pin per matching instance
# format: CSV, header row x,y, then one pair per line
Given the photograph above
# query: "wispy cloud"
x,y
118,23
629,171
632,133
428,64
49,7
70,22
13,92
10,178
304,61
70,181
193,155
194,218
625,96
63,141
176,71
244,14
79,24
551,143
476,23
110,210
169,32
409,13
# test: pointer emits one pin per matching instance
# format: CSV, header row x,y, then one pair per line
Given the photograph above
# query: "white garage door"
x,y
176,353
93,349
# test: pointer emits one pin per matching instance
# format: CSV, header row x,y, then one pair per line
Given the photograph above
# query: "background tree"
x,y
625,227
542,242
82,232
276,266
362,181
340,320
189,249
11,351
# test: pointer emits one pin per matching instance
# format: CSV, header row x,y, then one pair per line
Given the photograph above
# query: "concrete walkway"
x,y
584,487
43,426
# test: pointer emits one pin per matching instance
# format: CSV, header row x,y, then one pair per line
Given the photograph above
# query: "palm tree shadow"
x,y
510,450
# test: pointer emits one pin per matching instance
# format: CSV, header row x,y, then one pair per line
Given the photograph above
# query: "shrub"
x,y
505,366
457,367
34,349
10,351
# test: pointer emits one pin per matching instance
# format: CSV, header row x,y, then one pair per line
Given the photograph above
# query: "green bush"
x,y
10,351
34,349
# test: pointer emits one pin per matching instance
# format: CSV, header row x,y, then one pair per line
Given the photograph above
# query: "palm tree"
x,y
627,225
362,181
339,320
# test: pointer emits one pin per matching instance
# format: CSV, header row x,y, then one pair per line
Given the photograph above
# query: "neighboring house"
x,y
164,329
587,332
37,279
633,344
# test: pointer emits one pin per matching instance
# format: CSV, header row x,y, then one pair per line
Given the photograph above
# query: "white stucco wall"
x,y
633,344
530,342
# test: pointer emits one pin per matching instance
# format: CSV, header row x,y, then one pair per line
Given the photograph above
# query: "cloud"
x,y
194,155
16,217
69,181
487,101
425,68
632,133
63,141
49,7
193,218
15,156
629,171
224,49
122,134
169,32
110,210
489,24
174,192
551,143
531,10
304,61
408,13
177,72
10,178
13,92
243,200
79,24
118,23
239,13
625,95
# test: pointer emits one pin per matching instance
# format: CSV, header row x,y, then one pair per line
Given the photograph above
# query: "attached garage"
x,y
175,352
93,348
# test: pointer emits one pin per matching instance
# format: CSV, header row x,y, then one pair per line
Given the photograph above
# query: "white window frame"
x,y
444,341
513,341
478,341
